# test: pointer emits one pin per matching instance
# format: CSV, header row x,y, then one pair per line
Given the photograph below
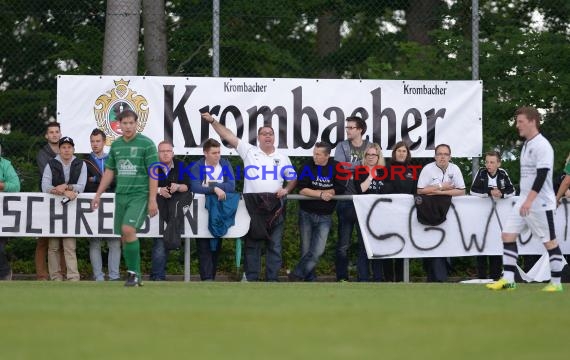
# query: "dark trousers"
x,y
347,222
392,270
4,263
273,260
364,265
208,254
436,269
495,266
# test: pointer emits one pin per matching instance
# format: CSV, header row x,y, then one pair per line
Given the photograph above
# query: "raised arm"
x,y
225,133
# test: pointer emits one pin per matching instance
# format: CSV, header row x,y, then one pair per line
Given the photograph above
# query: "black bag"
x,y
432,209
178,206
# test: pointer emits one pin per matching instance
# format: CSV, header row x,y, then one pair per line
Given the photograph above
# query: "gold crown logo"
x,y
112,103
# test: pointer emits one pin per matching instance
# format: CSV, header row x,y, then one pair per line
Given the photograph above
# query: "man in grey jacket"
x,y
350,153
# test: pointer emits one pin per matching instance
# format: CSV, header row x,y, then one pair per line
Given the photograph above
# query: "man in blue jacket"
x,y
214,176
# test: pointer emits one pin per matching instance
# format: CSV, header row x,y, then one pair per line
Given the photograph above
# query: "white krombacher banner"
x,y
43,215
302,111
390,228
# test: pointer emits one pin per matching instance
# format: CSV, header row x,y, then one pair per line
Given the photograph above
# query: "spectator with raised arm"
x,y
264,194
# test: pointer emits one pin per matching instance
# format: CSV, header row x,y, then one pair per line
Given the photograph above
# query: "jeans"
x,y
4,263
364,264
158,260
252,258
113,258
436,269
208,258
314,230
347,221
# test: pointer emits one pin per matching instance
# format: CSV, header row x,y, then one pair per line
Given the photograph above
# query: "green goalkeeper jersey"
x,y
130,161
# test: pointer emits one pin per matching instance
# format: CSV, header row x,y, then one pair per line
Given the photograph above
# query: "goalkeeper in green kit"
x,y
130,157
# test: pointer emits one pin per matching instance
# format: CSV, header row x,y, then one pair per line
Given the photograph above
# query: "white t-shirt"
x,y
215,176
262,172
431,174
537,153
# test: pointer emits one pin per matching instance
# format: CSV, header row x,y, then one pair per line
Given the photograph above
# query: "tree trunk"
x,y
422,17
155,49
122,27
328,41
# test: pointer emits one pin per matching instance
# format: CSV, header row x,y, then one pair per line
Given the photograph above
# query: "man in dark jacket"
x,y
65,176
214,177
170,185
46,153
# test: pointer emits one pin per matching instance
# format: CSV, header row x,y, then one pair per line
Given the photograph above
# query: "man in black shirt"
x,y
317,178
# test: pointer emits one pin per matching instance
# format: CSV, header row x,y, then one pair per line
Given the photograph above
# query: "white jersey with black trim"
x,y
537,153
264,172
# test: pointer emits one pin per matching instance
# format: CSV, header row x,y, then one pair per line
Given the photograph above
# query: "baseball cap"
x,y
66,140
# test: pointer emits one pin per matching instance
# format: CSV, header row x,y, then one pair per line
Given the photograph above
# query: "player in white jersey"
x,y
536,203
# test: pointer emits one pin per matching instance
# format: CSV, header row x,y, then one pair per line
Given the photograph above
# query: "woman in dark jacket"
x,y
393,269
370,184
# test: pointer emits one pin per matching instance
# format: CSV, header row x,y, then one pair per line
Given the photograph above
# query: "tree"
x,y
155,50
122,27
41,39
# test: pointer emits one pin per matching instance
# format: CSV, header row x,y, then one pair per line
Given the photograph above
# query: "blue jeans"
x,y
252,258
158,260
347,221
113,258
314,230
363,265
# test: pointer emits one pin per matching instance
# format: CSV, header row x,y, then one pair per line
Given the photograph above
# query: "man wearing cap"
x,y
64,176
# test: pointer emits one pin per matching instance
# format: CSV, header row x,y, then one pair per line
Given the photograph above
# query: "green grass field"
x,y
88,320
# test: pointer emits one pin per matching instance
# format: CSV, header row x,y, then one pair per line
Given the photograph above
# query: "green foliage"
x,y
521,63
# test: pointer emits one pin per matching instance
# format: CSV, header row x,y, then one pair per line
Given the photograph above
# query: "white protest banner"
x,y
302,111
390,228
43,215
